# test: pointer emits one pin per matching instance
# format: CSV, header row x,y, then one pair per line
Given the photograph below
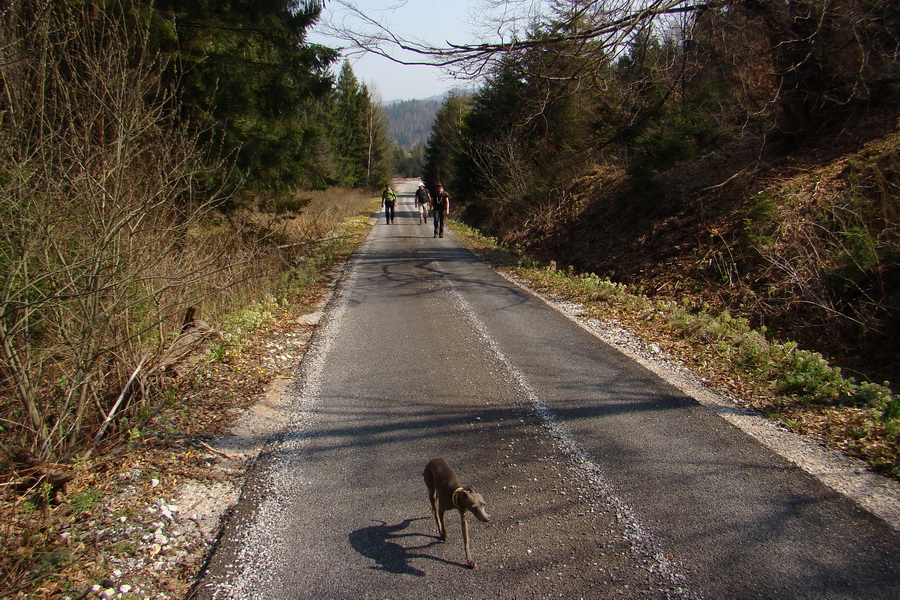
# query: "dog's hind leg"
x,y
438,517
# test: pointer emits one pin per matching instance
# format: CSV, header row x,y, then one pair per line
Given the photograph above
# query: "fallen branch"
x,y
115,407
211,449
307,242
193,334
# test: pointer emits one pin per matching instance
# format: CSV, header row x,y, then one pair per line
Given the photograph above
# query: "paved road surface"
x,y
602,480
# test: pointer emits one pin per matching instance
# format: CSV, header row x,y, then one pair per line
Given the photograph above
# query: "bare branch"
x,y
606,23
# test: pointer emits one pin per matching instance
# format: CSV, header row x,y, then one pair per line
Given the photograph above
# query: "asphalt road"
x,y
602,480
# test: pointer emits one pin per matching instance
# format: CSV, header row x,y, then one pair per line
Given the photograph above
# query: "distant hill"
x,y
438,97
411,120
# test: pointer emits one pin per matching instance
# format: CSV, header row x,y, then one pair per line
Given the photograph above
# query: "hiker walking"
x,y
423,200
440,206
388,199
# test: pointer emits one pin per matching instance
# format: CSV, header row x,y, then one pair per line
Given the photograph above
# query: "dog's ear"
x,y
464,497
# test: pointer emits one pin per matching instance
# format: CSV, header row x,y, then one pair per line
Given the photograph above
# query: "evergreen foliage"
x,y
247,69
529,129
259,92
410,164
359,132
633,146
560,103
446,144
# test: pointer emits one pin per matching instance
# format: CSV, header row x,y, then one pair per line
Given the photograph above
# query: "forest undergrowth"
x,y
772,273
788,384
70,529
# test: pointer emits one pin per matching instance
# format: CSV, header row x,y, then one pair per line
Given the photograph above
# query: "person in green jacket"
x,y
388,199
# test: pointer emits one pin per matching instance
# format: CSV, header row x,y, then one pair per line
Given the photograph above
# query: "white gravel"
x,y
848,476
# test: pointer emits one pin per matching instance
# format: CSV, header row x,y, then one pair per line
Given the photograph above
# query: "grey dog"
x,y
446,492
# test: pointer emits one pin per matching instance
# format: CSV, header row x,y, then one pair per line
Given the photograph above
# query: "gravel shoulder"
x,y
848,476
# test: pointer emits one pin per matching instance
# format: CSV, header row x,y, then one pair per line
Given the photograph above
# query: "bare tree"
x,y
100,199
506,26
375,124
821,55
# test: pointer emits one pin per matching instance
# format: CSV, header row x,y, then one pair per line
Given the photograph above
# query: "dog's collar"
x,y
453,497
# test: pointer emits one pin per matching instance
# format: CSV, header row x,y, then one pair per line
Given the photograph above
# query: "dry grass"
x,y
58,542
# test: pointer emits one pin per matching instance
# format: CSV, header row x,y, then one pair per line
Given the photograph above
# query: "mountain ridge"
x,y
410,121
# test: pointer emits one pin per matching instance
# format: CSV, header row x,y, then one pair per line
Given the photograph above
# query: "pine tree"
x,y
446,144
360,135
251,82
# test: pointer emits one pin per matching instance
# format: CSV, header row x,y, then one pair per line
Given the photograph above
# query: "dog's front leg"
x,y
442,529
438,517
465,535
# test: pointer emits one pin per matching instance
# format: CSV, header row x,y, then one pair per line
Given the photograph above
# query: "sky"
x,y
436,21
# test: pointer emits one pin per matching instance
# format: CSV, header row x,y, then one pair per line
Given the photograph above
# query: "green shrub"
x,y
808,376
602,289
760,221
86,499
755,351
236,326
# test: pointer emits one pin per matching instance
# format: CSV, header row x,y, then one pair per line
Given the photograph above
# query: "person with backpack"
x,y
423,200
388,199
440,206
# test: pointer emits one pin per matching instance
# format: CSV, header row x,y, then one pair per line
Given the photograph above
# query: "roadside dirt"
x,y
139,519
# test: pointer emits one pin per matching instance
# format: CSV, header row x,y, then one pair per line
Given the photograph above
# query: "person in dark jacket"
x,y
423,202
440,206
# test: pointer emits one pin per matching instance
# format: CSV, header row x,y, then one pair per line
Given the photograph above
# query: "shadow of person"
x,y
378,543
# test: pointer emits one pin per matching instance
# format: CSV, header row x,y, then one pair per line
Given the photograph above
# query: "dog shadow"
x,y
378,542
